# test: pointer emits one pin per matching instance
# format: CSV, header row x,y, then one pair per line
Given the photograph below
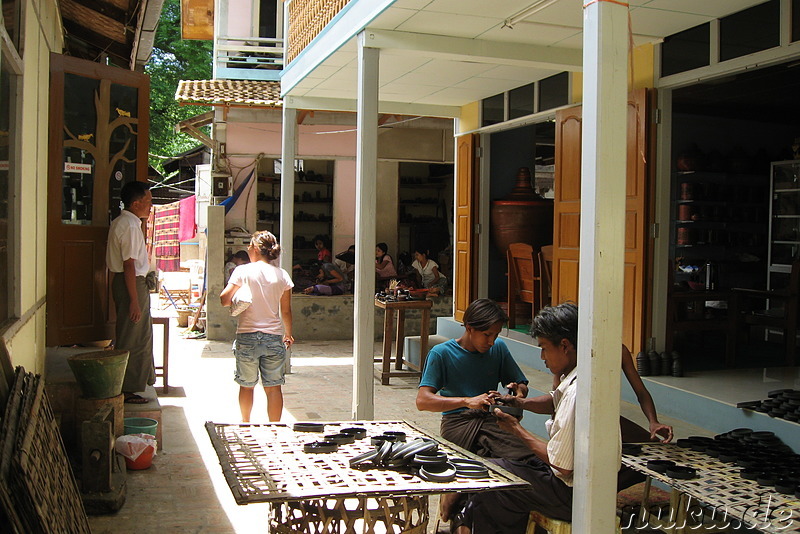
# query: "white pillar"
x,y
286,239
366,178
605,52
288,153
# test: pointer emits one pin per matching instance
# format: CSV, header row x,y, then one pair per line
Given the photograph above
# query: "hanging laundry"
x,y
166,241
188,228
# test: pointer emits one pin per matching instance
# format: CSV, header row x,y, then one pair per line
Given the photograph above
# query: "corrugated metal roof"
x,y
229,92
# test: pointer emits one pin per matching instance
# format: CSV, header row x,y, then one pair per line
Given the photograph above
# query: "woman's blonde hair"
x,y
266,244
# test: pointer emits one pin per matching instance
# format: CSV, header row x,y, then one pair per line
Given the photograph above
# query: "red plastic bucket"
x,y
144,461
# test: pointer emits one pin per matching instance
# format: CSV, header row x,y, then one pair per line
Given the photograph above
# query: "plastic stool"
x,y
553,526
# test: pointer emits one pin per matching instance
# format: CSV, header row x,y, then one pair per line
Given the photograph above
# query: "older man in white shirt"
x,y
126,258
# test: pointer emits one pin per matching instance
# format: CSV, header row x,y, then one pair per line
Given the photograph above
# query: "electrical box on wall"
x,y
220,185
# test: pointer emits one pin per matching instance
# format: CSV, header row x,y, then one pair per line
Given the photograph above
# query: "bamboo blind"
x,y
306,20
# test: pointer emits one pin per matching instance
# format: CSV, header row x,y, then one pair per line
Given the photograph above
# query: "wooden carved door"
x,y
99,117
465,258
567,208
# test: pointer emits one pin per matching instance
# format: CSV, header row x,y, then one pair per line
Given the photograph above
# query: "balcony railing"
x,y
306,19
248,58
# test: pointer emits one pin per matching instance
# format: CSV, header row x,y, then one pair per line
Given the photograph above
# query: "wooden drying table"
x,y
313,492
718,492
401,307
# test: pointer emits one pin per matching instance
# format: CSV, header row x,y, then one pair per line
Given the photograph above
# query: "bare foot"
x,y
446,504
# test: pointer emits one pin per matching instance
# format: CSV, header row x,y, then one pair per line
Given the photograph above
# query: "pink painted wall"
x,y
314,142
239,21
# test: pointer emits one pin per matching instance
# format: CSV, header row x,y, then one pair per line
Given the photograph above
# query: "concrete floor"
x,y
184,490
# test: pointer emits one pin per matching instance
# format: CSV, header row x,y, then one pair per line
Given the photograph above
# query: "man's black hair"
x,y
555,323
133,191
482,314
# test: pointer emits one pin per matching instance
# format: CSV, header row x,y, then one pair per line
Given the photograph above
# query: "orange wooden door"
x,y
464,278
567,207
99,117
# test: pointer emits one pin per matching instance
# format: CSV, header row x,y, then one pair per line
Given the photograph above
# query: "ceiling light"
x,y
527,12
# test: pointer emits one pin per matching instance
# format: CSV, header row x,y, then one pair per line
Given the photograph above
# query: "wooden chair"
x,y
782,316
545,258
524,282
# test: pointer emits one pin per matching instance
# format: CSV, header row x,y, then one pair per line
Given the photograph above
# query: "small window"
x,y
750,30
493,110
686,50
554,91
267,19
520,101
795,21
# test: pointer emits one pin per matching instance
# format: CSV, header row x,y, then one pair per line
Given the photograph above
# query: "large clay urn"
x,y
523,216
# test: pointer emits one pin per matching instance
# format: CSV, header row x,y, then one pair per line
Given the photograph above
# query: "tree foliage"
x,y
173,59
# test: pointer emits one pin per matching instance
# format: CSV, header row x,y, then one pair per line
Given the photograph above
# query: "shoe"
x,y
133,398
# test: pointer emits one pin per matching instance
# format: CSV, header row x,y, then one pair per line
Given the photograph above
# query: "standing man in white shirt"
x,y
126,258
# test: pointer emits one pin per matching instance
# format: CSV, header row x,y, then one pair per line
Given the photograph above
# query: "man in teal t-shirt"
x,y
460,379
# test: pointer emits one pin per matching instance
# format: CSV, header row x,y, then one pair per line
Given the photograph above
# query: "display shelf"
x,y
720,220
784,227
313,198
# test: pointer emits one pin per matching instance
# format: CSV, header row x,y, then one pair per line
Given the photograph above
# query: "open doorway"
x,y
728,226
529,147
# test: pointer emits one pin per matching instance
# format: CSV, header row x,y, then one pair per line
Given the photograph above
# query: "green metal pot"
x,y
99,373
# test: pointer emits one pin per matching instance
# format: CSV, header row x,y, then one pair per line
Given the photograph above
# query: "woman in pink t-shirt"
x,y
384,265
265,327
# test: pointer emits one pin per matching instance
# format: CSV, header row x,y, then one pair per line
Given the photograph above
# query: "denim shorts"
x,y
258,353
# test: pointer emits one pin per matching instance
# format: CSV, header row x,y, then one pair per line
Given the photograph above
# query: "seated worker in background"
x,y
384,266
463,372
330,281
240,258
346,262
631,432
304,274
550,470
323,252
428,273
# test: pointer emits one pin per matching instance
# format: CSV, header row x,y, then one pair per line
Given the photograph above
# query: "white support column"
x,y
288,153
366,179
605,52
286,239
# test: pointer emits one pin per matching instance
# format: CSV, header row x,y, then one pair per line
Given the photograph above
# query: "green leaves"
x,y
173,59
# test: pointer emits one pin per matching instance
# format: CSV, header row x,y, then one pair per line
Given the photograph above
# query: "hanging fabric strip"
x,y
168,249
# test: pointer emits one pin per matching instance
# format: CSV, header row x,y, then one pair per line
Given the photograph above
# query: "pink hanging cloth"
x,y
187,229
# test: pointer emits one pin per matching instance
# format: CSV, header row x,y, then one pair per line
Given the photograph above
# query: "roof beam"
x,y
351,104
477,50
99,23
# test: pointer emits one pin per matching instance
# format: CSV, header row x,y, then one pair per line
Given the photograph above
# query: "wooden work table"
x,y
718,492
321,492
401,307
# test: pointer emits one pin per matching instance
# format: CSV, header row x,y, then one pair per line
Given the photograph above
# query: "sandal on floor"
x,y
133,398
459,518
